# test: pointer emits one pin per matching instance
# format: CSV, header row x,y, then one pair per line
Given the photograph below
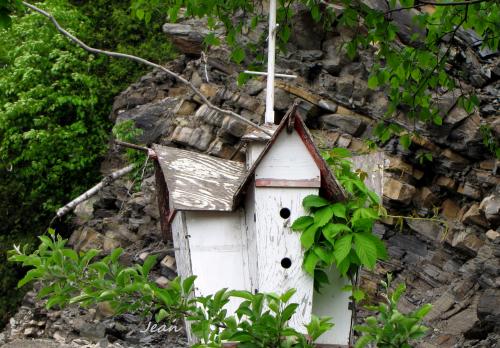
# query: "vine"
x,y
340,233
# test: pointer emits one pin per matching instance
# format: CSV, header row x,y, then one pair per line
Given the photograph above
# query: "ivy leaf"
x,y
342,248
323,216
339,210
310,263
365,249
330,231
307,237
313,201
437,120
325,255
302,223
405,141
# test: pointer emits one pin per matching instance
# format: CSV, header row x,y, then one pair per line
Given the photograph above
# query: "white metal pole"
x,y
269,117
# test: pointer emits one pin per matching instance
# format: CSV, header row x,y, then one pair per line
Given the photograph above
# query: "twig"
x,y
457,3
106,181
132,146
145,62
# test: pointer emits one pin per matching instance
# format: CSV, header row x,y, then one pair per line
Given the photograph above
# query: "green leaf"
x,y
330,231
365,249
162,314
238,55
308,236
373,82
289,311
310,263
149,263
31,275
287,295
405,141
323,216
342,248
302,223
363,341
438,120
313,201
423,311
325,255
187,285
339,210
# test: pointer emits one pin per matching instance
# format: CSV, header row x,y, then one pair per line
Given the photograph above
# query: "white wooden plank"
x,y
249,230
199,182
333,302
218,250
182,258
254,149
373,165
288,159
275,241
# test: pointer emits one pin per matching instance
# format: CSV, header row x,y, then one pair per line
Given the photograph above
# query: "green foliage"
x,y
410,74
340,233
87,278
391,328
55,100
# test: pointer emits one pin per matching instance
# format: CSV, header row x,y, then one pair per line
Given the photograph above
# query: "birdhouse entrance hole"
x,y
286,262
285,213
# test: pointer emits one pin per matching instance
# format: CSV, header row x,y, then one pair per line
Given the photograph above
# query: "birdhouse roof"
x,y
330,188
201,182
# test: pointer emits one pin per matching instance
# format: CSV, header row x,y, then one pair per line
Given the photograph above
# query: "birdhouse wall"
x,y
254,149
288,163
280,254
218,252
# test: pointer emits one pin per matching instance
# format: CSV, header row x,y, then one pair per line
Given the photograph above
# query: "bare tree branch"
x,y
106,181
145,62
451,3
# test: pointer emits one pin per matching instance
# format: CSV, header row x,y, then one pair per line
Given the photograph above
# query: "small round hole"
x,y
286,262
285,213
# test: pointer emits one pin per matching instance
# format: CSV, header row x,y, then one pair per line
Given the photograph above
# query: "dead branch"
x,y
145,62
131,146
106,181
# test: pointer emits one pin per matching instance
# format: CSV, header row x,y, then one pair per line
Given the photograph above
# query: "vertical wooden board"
x,y
182,258
276,241
373,165
333,302
254,149
288,159
181,245
218,250
248,229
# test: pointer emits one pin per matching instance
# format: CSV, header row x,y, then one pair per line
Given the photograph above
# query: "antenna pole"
x,y
271,54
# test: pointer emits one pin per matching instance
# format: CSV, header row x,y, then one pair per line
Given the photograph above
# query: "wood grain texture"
x,y
163,204
197,181
275,241
182,258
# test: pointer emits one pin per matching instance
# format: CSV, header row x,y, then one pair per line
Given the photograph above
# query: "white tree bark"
x,y
106,181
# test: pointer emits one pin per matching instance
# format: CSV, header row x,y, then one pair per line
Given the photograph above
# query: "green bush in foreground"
x,y
55,101
261,320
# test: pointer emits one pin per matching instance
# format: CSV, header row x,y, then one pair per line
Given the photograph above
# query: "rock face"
x,y
448,253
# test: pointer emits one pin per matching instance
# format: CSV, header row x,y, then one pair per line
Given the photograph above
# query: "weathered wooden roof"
x,y
199,182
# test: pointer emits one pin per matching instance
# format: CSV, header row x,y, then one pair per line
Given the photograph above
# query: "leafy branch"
x,y
145,62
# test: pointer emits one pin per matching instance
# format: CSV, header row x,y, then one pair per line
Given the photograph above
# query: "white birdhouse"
x,y
230,222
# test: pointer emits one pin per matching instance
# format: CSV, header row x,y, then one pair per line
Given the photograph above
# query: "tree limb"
x,y
106,181
145,62
456,3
